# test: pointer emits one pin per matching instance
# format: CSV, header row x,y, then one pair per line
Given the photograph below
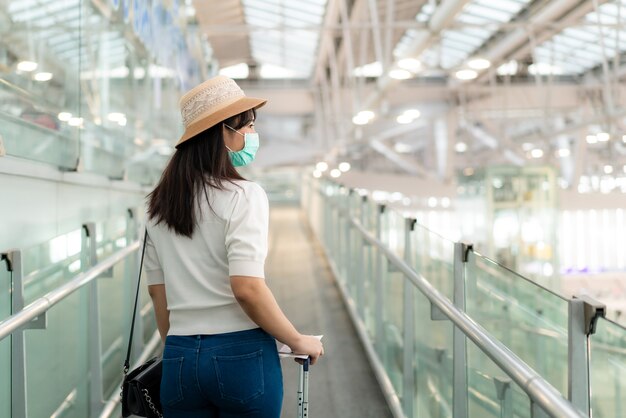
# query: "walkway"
x,y
343,384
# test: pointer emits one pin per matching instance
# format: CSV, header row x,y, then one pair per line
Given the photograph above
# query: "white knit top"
x,y
229,240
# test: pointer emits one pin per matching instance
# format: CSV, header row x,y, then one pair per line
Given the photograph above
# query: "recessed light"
x,y
43,76
466,74
479,64
27,66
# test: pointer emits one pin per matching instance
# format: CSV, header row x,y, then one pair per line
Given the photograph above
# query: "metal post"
x,y
360,264
96,401
130,274
459,342
348,245
505,396
536,411
583,314
19,405
380,286
408,387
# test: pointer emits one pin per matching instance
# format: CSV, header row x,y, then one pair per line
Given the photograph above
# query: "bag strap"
x,y
132,324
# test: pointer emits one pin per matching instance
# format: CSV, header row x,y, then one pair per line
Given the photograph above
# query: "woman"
x,y
205,251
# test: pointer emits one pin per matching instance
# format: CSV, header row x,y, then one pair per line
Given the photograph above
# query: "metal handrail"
x,y
535,386
44,303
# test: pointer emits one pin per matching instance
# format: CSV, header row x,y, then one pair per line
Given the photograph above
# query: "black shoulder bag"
x,y
141,387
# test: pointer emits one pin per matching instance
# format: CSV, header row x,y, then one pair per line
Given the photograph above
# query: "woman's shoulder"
x,y
246,187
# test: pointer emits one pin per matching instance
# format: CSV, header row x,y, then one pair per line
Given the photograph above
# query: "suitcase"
x,y
303,390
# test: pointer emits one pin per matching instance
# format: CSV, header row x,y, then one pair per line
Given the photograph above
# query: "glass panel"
x,y
528,319
608,370
116,297
110,236
491,393
434,259
392,342
5,344
392,234
433,362
62,346
49,265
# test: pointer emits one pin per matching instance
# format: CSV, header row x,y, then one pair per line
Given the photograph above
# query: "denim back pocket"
x,y
240,378
172,381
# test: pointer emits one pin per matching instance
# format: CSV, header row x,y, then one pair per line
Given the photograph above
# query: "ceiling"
x,y
508,82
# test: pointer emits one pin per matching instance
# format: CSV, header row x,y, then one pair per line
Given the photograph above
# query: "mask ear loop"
x,y
234,130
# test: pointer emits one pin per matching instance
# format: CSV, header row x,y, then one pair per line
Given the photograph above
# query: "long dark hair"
x,y
197,163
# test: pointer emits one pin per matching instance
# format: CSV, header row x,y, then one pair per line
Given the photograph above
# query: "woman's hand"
x,y
309,345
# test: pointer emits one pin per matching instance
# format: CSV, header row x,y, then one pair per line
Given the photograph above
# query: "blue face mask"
x,y
246,155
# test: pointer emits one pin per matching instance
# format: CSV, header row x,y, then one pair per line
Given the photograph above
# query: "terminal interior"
x,y
447,185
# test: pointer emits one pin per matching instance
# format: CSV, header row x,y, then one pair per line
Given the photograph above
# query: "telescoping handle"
x,y
303,389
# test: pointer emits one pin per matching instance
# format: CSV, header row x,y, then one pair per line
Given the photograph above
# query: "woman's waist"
x,y
209,320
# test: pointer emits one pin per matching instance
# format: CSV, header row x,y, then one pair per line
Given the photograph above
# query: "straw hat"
x,y
212,102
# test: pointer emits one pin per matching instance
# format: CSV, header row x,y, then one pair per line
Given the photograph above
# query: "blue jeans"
x,y
229,375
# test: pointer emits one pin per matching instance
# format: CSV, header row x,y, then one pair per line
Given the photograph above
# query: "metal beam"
x,y
515,45
442,17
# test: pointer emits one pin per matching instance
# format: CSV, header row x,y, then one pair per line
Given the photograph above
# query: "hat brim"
x,y
235,108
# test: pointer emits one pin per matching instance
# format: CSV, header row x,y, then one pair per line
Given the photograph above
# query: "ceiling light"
x,y
43,76
321,166
122,122
412,113
374,69
592,139
139,73
358,120
432,202
603,136
237,71
343,167
508,68
445,202
367,114
402,148
410,64
27,66
608,169
116,116
466,74
563,152
317,174
536,153
404,119
542,68
274,72
460,147
363,117
400,74
479,64
334,173
75,121
64,116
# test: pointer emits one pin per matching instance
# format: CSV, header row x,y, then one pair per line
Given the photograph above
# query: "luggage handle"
x,y
303,389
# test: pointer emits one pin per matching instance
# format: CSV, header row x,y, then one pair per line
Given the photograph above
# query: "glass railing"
x,y
528,319
608,370
64,348
417,347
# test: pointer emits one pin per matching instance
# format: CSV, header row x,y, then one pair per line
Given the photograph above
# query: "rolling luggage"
x,y
303,390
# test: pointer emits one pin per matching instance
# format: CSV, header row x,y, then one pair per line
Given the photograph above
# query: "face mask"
x,y
246,155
